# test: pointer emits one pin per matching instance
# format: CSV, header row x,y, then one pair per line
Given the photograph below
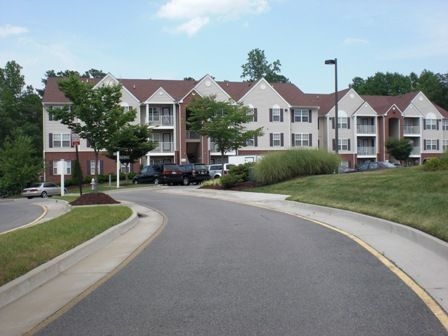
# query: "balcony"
x,y
191,135
366,129
163,121
366,151
411,130
164,147
415,151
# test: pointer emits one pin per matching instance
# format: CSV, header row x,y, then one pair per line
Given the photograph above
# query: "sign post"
x,y
61,171
76,141
118,169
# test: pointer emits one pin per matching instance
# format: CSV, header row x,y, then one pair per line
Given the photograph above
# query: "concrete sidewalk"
x,y
67,278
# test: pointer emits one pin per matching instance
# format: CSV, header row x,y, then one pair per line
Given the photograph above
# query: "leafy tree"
x,y
400,149
95,113
223,122
257,67
18,163
132,142
20,109
92,73
434,86
383,84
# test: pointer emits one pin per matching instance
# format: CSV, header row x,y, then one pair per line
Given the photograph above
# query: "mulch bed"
x,y
93,199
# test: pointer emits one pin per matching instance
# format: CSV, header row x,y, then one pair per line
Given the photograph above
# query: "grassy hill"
x,y
408,196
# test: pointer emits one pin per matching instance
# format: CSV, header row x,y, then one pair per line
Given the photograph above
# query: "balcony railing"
x,y
164,147
191,135
366,129
162,121
366,150
415,150
411,129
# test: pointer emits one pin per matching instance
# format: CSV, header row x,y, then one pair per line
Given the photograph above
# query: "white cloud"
x,y
195,14
192,26
8,30
354,40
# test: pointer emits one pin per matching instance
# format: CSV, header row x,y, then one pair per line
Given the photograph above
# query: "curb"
x,y
35,278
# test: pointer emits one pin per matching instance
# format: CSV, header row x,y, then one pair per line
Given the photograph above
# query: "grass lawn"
x,y
25,249
408,196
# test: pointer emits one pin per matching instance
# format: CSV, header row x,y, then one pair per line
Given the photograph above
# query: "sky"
x,y
174,39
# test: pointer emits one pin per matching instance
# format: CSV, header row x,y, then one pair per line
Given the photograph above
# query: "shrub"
x,y
435,164
237,174
281,166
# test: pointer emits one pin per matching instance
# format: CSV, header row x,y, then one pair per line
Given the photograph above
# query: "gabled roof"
x,y
382,104
145,88
236,90
442,111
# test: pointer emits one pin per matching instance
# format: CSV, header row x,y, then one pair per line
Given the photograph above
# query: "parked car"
x,y
194,173
374,165
41,189
166,173
215,170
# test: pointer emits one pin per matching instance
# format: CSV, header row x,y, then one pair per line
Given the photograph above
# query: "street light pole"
x,y
336,115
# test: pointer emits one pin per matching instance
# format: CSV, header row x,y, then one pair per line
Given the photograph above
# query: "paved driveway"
x,y
221,268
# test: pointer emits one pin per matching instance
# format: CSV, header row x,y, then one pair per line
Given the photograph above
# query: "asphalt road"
x,y
221,268
18,212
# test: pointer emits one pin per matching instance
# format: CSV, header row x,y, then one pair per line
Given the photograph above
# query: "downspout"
x,y
179,124
174,130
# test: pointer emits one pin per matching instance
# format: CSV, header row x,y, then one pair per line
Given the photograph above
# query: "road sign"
x,y
76,140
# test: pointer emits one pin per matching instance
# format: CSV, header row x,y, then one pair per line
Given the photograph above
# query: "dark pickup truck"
x,y
194,173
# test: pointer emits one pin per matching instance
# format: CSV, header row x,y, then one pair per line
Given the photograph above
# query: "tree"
x,y
132,142
400,149
95,113
18,163
223,122
92,73
258,67
434,86
20,109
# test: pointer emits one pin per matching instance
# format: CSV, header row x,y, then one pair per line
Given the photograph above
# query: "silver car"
x,y
215,170
41,189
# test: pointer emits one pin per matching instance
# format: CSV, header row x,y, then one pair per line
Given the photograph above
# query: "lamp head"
x,y
330,61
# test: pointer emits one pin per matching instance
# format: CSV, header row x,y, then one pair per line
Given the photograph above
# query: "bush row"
x,y
281,166
437,163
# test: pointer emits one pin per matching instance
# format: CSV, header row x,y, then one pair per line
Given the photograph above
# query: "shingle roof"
x,y
53,94
142,89
382,104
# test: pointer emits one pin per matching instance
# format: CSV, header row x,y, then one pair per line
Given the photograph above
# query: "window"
x,y
430,124
59,140
52,107
445,124
252,112
153,114
92,167
275,114
276,139
343,122
431,145
445,145
344,144
301,140
252,142
302,115
68,167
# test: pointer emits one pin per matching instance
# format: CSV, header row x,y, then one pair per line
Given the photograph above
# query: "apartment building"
x,y
290,119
